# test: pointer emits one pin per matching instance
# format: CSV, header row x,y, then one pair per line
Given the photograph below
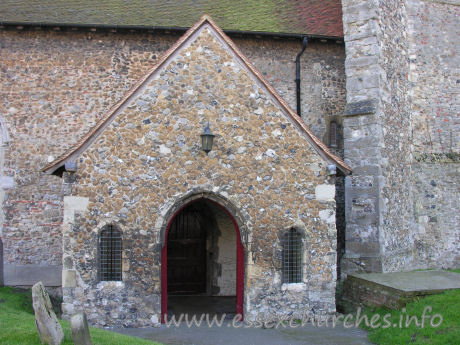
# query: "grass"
x,y
17,323
446,304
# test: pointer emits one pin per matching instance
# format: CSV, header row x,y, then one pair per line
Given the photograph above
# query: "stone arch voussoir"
x,y
173,208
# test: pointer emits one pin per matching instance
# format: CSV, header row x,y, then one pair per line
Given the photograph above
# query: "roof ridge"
x,y
105,120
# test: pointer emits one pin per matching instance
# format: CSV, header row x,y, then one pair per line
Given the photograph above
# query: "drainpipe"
x,y
297,73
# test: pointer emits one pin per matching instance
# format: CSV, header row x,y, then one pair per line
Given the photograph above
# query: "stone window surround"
x,y
115,221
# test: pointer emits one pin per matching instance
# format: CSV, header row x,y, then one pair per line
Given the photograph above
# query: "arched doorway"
x,y
202,269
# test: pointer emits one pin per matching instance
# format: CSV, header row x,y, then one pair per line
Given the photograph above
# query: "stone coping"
x,y
414,282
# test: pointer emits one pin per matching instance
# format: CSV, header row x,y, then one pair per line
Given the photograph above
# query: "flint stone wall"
x,y
149,157
55,86
393,126
436,196
434,56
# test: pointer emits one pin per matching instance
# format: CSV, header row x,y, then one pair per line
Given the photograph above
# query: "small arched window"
x,y
110,252
292,256
333,134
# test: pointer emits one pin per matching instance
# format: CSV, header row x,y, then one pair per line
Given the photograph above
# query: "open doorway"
x,y
202,262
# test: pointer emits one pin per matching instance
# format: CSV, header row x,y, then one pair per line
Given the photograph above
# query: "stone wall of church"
x,y
363,137
434,56
434,75
402,99
436,196
377,138
396,207
56,84
149,158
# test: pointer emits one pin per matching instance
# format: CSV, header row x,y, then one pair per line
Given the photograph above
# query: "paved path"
x,y
227,334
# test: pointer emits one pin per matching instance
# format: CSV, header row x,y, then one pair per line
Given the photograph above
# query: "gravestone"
x,y
80,331
48,326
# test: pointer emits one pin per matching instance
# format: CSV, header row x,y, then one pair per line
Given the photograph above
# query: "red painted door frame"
x,y
239,264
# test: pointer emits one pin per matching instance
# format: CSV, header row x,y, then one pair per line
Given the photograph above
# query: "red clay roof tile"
x,y
309,17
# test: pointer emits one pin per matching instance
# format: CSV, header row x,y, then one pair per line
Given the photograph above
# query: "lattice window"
x,y
333,134
292,256
110,251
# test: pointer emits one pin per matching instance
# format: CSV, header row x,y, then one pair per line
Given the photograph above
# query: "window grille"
x,y
292,257
333,134
110,251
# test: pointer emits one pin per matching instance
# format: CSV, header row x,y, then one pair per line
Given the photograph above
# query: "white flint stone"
x,y
325,192
271,153
165,150
259,111
327,216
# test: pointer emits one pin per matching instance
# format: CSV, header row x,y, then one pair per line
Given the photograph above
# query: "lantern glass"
x,y
207,139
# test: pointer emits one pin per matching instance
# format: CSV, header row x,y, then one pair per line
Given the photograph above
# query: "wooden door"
x,y
187,253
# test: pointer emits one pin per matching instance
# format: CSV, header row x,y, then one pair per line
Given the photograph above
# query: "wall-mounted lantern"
x,y
207,139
